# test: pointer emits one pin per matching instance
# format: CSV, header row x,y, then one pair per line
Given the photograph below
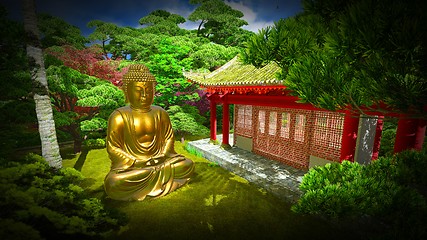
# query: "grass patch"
x,y
192,150
216,204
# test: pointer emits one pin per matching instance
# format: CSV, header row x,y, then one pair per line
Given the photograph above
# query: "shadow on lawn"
x,y
81,160
217,204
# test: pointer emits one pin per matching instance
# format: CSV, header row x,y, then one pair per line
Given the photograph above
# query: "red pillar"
x,y
213,120
377,140
349,136
225,125
410,134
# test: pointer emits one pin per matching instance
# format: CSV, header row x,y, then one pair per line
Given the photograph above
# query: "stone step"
x,y
275,177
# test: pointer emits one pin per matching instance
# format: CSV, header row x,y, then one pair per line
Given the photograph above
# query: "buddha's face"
x,y
140,94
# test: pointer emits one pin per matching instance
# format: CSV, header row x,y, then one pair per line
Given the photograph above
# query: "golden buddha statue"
x,y
140,144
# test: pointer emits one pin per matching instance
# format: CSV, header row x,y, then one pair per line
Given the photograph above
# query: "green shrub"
x,y
390,189
48,203
411,169
94,143
341,190
331,174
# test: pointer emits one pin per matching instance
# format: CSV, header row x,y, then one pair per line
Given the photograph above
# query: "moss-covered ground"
x,y
216,204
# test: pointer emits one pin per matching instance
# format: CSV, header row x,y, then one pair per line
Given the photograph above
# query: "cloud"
x,y
249,14
255,23
185,11
189,25
180,10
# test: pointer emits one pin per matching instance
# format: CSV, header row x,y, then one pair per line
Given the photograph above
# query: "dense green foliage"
x,y
163,22
57,32
186,120
82,104
18,116
353,53
210,56
286,43
167,66
388,137
39,202
391,190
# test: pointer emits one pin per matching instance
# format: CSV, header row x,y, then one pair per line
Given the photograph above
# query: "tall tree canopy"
x,y
218,21
362,53
167,65
104,32
133,44
57,32
163,22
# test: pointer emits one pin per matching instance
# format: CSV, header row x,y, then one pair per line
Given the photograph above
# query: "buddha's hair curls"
x,y
137,73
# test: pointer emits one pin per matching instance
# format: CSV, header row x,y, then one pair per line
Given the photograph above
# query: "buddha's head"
x,y
138,86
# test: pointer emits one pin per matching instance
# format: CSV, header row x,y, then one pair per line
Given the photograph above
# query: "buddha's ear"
x,y
126,95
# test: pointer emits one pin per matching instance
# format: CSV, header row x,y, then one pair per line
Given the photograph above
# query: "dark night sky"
x,y
258,13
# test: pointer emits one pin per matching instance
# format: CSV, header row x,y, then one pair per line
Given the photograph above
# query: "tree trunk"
x,y
46,124
74,130
78,145
200,27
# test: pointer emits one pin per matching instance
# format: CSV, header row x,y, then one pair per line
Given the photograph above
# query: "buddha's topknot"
x,y
138,73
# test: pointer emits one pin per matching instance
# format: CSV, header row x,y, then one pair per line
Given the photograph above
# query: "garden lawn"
x,y
216,204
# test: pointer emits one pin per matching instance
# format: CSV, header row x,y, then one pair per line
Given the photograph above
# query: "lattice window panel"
x,y
243,118
240,117
292,135
261,121
299,127
327,135
248,117
285,124
272,123
278,141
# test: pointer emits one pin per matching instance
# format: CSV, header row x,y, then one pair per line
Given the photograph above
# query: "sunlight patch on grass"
x,y
239,179
214,199
262,190
211,227
123,229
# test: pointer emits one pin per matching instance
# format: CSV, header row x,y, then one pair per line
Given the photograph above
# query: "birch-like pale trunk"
x,y
46,124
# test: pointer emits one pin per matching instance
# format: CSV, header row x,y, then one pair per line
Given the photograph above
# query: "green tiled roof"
x,y
235,73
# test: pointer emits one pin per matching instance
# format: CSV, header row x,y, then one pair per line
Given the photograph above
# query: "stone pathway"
x,y
277,178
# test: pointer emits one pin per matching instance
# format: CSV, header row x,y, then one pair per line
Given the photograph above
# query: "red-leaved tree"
x,y
90,61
